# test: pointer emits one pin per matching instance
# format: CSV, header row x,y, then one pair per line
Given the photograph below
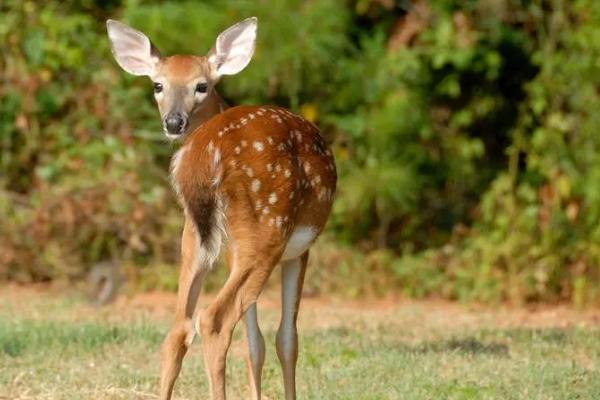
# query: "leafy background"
x,y
466,135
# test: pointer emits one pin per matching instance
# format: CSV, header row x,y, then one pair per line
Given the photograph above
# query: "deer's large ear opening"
x,y
132,49
234,48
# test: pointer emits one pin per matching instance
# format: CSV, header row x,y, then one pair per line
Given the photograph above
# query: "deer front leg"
x,y
181,333
292,276
256,351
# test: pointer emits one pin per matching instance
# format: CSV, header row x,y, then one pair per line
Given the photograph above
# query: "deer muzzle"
x,y
175,123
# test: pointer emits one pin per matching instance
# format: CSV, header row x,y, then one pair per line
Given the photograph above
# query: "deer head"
x,y
184,85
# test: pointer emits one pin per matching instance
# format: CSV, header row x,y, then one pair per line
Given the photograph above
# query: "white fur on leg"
x,y
256,349
287,336
299,241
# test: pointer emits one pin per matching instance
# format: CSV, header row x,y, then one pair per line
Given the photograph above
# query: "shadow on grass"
x,y
467,346
470,345
495,344
486,342
549,335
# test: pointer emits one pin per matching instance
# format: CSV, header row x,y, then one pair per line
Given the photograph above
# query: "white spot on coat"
x,y
259,146
273,198
322,194
255,185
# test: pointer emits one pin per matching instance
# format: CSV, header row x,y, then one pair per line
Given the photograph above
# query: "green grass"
x,y
59,348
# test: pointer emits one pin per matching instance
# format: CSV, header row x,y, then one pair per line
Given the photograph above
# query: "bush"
x,y
78,183
464,134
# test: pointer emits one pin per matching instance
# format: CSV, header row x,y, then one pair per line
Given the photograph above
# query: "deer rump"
x,y
273,159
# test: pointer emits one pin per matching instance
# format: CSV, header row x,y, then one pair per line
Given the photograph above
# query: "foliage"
x,y
73,190
464,134
536,235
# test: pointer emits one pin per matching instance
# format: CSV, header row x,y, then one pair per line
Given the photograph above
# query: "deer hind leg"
x,y
255,342
292,275
246,280
256,351
181,333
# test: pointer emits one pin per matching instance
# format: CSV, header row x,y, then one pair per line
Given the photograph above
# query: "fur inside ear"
x,y
132,49
234,48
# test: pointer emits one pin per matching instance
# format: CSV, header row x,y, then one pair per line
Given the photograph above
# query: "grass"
x,y
57,347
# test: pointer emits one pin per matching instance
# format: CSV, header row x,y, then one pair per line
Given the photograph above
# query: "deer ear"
x,y
234,48
132,49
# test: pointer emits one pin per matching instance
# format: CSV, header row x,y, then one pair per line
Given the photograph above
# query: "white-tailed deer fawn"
x,y
258,179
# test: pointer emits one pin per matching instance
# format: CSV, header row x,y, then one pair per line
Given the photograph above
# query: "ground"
x,y
53,345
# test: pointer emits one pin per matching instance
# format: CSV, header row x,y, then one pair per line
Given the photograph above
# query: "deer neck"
x,y
213,105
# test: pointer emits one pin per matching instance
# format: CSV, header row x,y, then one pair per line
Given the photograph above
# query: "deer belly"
x,y
299,241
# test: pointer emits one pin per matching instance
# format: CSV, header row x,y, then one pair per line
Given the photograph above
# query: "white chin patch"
x,y
172,137
299,241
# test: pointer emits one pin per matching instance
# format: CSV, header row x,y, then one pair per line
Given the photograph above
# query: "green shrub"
x,y
464,132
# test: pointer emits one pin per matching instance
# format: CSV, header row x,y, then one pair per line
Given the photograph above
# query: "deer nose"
x,y
175,123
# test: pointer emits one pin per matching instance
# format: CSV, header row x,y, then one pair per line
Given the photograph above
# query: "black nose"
x,y
175,123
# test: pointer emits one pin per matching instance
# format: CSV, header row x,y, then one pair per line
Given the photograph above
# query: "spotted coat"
x,y
267,170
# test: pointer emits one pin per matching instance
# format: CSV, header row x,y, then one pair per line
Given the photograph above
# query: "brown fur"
x,y
268,172
307,161
181,73
184,68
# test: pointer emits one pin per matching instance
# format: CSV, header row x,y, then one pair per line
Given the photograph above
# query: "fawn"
x,y
256,180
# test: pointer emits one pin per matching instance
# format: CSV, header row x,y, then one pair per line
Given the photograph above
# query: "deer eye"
x,y
158,87
201,87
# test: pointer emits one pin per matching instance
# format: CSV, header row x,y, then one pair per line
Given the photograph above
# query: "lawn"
x,y
55,346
